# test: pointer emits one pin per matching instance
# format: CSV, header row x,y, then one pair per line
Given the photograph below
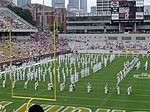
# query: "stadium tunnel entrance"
x,y
127,27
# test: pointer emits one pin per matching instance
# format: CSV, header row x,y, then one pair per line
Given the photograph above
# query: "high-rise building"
x,y
103,5
93,9
83,4
58,3
147,9
73,4
21,3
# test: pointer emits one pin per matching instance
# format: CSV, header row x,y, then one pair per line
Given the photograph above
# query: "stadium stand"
x,y
107,45
39,44
17,23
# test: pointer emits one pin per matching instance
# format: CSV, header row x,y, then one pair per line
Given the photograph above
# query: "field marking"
x,y
99,99
109,99
106,99
74,109
82,109
104,107
102,110
60,109
102,99
118,110
23,106
5,103
54,106
44,106
66,104
140,111
127,83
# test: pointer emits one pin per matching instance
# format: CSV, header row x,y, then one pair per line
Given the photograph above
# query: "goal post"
x,y
11,76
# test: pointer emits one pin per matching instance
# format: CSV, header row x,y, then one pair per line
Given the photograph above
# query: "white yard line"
x,y
78,105
6,104
20,107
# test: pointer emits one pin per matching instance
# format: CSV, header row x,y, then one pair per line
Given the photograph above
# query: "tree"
x,y
61,26
24,13
51,27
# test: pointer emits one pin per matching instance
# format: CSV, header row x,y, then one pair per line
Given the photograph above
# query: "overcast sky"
x,y
48,2
90,3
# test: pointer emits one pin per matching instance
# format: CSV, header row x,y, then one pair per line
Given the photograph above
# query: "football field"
x,y
80,99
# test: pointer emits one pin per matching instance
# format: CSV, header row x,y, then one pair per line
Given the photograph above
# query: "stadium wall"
x,y
109,37
114,52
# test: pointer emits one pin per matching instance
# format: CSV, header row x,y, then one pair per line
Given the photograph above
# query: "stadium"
x,y
75,61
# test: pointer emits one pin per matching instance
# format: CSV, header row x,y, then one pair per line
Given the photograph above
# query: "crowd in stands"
x,y
107,45
2,23
126,45
16,22
42,43
109,32
3,56
38,44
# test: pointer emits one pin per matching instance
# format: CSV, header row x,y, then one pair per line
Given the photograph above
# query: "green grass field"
x,y
139,100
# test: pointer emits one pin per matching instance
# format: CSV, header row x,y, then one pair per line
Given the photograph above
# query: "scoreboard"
x,y
127,11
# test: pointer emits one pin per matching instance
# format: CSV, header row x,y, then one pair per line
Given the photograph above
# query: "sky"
x,y
89,4
48,2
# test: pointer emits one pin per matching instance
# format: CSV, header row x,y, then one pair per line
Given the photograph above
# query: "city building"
x,y
93,9
21,3
73,4
147,9
76,11
51,15
83,4
95,27
104,6
58,3
86,24
125,16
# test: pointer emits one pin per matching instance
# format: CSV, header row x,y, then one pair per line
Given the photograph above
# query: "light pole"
x,y
43,17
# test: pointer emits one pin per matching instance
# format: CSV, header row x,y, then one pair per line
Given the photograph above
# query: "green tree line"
x,y
24,13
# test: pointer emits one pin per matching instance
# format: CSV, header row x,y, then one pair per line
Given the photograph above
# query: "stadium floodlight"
x,y
11,77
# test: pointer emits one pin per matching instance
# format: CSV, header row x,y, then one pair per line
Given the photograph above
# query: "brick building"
x,y
45,15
